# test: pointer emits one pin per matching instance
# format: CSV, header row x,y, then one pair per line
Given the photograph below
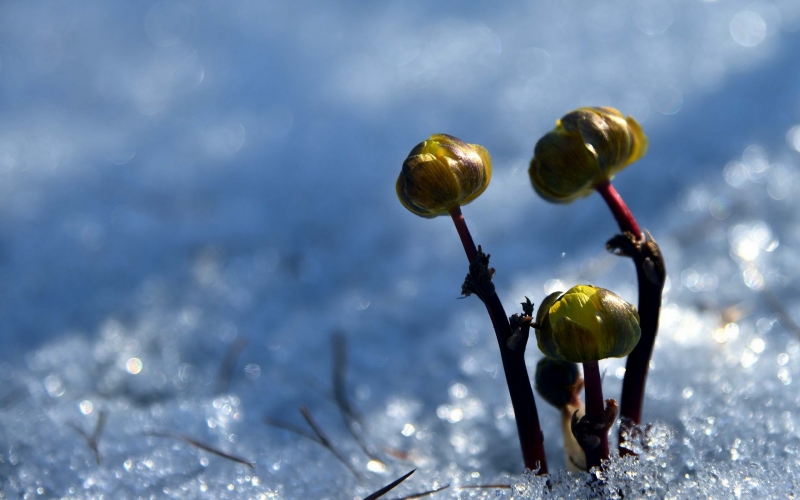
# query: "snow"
x,y
181,180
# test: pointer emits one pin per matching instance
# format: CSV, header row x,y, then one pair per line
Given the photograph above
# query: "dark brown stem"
x,y
530,434
625,219
650,275
595,414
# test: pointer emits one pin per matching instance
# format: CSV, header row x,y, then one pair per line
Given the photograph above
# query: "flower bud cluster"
x,y
583,325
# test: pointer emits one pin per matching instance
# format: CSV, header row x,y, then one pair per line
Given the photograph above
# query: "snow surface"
x,y
179,178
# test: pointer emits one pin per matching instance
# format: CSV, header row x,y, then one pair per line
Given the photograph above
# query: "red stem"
x,y
463,233
529,430
627,223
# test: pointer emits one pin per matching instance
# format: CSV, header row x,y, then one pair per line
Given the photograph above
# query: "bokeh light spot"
x,y
748,29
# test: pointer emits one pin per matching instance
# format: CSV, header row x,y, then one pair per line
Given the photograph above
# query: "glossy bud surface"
x,y
586,324
442,173
589,146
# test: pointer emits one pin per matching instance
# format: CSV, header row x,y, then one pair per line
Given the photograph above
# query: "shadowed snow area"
x,y
196,196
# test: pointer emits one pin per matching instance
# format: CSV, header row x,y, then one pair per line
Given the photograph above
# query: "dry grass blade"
x,y
778,308
100,426
13,397
205,447
352,420
92,440
424,494
339,351
217,452
389,487
280,424
225,374
324,441
485,487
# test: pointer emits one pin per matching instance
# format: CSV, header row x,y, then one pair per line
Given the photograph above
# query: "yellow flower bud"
x,y
441,174
587,147
586,324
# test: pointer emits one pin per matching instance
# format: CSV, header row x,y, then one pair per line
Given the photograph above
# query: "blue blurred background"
x,y
237,159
